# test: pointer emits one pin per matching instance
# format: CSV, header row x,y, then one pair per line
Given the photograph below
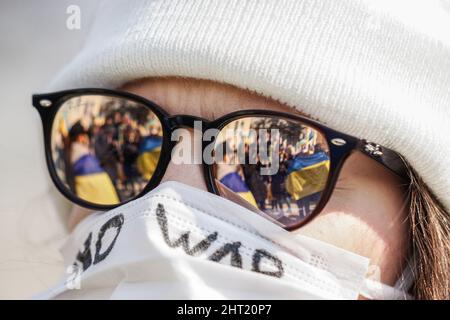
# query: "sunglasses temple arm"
x,y
387,157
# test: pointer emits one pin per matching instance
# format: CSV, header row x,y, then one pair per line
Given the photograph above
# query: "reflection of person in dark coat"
x,y
130,152
278,188
106,150
256,184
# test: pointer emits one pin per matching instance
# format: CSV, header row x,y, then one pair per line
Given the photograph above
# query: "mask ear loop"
x,y
406,279
375,290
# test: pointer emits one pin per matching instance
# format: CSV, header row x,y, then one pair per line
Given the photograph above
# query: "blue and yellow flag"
x,y
236,183
307,174
92,183
149,152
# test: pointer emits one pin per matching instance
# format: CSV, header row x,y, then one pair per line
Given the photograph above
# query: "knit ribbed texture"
x,y
365,68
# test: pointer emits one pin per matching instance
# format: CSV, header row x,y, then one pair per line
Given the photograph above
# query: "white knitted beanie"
x,y
377,69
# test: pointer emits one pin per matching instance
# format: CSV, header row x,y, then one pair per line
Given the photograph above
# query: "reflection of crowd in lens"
x,y
290,194
109,155
107,152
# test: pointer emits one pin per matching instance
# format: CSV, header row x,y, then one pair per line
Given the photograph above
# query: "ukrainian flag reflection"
x,y
92,183
307,175
149,152
236,183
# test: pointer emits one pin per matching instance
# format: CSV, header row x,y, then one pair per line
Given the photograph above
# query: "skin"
x,y
365,213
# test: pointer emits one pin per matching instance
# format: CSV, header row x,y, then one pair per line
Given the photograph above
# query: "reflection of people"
x,y
130,153
91,182
278,188
106,149
256,185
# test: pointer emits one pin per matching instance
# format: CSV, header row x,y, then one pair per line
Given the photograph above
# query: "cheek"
x,y
76,215
365,215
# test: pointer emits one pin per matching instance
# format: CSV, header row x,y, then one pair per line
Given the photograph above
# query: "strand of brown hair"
x,y
430,239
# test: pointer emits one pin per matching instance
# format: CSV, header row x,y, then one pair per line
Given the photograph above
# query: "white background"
x,y
34,44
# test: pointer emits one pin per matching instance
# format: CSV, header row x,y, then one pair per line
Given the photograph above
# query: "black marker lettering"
x,y
85,257
233,248
114,222
183,240
256,261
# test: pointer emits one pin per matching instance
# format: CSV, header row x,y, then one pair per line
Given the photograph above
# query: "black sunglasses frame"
x,y
340,145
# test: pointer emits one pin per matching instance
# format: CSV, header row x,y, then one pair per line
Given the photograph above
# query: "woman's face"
x,y
364,214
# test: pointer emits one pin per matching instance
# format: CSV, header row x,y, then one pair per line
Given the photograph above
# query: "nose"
x,y
187,171
190,174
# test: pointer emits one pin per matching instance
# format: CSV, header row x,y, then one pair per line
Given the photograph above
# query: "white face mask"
x,y
178,242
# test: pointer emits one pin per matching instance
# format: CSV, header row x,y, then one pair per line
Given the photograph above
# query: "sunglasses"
x,y
107,147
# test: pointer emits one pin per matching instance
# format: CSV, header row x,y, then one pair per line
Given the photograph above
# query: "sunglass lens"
x,y
105,149
277,165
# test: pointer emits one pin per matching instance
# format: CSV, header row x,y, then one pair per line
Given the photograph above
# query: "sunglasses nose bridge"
x,y
186,121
